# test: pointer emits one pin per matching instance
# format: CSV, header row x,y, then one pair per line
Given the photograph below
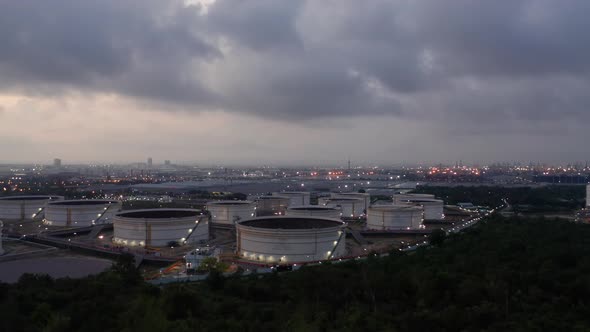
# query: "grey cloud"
x,y
257,24
114,46
301,60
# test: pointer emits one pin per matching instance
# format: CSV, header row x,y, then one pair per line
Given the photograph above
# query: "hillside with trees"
x,y
502,275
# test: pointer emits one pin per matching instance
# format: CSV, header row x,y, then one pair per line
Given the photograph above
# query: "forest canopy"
x,y
503,275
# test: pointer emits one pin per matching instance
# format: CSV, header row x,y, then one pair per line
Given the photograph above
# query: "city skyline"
x,y
294,82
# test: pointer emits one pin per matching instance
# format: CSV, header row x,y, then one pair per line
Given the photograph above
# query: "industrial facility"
x,y
289,240
401,198
351,207
230,212
433,208
314,211
297,198
80,212
24,208
160,227
272,205
364,196
394,217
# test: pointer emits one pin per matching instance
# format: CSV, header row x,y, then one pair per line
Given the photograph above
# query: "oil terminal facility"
x,y
80,212
290,239
394,217
230,212
19,208
297,198
314,211
159,227
285,228
272,205
351,207
433,208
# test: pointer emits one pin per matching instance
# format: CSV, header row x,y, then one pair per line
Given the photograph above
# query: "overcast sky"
x,y
301,82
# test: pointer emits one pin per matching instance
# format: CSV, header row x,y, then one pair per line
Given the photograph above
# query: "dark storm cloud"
x,y
520,37
114,46
258,24
462,60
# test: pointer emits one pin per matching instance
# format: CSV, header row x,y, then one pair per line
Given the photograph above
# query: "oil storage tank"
x,y
403,198
366,197
433,208
80,212
288,240
230,212
159,227
394,217
25,208
314,211
351,207
297,198
272,205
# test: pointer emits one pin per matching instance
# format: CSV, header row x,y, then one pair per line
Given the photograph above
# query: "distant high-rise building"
x,y
57,162
167,162
149,162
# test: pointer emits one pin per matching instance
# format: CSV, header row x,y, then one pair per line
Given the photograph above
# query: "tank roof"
x,y
229,202
277,197
292,193
346,199
28,198
84,202
291,222
422,200
396,207
159,213
312,208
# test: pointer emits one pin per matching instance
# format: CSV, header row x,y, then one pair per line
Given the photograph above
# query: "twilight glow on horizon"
x,y
300,82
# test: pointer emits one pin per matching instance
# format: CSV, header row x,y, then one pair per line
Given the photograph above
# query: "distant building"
x,y
57,162
149,162
194,258
167,162
467,206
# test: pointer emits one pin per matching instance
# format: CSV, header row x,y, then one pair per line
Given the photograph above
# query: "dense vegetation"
x,y
505,275
533,199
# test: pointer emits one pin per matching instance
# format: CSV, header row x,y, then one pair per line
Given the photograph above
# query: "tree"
x,y
210,264
125,267
437,237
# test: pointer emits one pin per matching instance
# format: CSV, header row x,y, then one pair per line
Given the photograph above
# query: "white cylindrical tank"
x,y
230,212
289,240
364,196
394,217
403,198
159,227
80,213
26,208
272,205
433,208
351,207
297,198
314,211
